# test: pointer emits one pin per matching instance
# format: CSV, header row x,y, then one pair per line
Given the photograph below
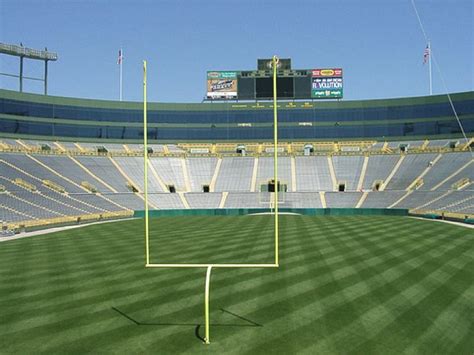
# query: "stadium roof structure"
x,y
20,51
29,53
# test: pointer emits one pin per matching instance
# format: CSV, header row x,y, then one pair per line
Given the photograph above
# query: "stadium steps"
x,y
92,174
362,175
425,144
223,199
362,199
332,173
394,171
130,181
23,144
254,175
183,200
468,144
423,173
322,197
170,170
400,199
293,173
212,186
135,170
453,175
57,173
60,147
157,177
122,172
386,148
187,182
81,149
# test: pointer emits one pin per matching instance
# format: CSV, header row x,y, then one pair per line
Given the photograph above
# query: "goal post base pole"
x,y
207,337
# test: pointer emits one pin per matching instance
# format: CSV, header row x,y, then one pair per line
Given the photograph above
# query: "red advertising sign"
x,y
327,73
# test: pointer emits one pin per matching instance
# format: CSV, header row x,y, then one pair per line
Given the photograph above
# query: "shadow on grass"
x,y
249,323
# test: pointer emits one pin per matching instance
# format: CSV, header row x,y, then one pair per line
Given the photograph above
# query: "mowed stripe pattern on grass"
x,y
366,285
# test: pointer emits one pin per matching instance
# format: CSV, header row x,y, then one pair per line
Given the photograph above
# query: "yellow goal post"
x,y
209,266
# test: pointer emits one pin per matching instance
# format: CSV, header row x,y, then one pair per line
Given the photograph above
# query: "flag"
x,y
120,57
426,54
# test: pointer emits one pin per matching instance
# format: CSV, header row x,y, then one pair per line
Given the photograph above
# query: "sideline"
x,y
57,229
465,225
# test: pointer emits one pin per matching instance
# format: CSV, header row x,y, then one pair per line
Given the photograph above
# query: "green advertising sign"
x,y
327,88
327,94
221,75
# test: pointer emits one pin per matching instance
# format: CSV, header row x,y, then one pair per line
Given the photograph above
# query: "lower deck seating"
x,y
24,195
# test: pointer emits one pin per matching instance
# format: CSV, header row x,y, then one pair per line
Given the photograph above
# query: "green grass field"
x,y
362,285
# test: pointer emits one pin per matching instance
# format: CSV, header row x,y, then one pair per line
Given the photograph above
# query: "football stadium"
x,y
272,217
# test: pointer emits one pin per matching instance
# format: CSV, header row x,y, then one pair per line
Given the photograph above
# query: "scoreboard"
x,y
324,83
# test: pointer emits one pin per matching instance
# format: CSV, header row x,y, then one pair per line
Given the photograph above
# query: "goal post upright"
x,y
145,159
275,153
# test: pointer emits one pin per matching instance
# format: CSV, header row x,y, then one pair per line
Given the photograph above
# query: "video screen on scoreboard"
x,y
327,83
264,88
221,85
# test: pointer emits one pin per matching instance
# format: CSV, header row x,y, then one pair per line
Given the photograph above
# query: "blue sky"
x,y
378,43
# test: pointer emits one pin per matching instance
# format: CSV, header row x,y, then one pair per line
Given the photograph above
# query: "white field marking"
x,y
57,229
465,225
212,265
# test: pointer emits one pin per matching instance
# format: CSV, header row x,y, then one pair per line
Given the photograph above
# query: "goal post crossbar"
x,y
211,265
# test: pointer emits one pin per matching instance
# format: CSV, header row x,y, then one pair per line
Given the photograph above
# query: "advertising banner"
x,y
221,85
334,72
327,83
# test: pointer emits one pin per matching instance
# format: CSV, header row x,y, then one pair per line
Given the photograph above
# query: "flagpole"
x,y
429,66
121,63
